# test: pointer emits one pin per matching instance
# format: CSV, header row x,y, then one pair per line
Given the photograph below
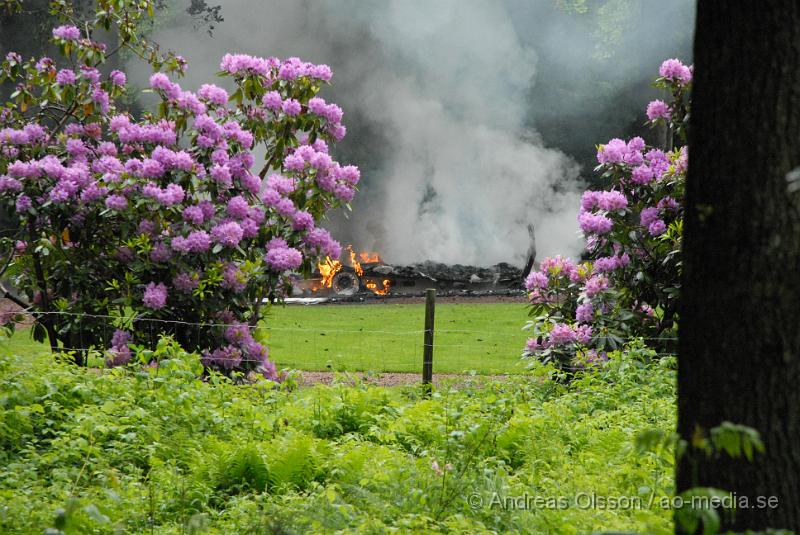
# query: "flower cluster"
x,y
240,351
676,78
169,216
629,283
120,352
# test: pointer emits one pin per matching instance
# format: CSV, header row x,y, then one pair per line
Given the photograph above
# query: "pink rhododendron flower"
x,y
674,69
658,109
67,33
155,296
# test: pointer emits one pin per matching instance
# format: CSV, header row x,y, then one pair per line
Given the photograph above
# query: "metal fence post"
x,y
427,354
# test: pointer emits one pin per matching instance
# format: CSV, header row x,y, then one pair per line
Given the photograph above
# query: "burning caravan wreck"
x,y
361,274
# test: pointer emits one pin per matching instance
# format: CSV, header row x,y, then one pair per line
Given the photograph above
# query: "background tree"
x,y
604,98
739,354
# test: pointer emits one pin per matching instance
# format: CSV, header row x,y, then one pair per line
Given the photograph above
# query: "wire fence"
x,y
315,348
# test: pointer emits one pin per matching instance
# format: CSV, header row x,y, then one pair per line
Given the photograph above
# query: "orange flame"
x,y
328,270
368,257
353,262
387,285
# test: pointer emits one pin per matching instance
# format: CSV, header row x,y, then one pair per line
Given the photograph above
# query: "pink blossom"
x,y
283,259
66,77
188,101
612,152
185,282
213,94
657,228
67,33
227,234
658,109
291,107
595,285
285,207
118,78
583,334
321,240
270,197
589,200
147,227
612,201
272,100
281,184
557,266
233,279
584,313
276,243
302,220
321,161
317,106
636,144
193,214
198,241
337,131
536,279
243,64
90,73
238,207
321,72
222,175
155,296
161,82
116,202
23,204
294,162
673,69
349,174
642,174
532,345
9,184
171,195
333,113
648,215
561,334
249,228
594,223
251,183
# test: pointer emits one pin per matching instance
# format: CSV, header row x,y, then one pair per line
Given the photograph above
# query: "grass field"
x,y
484,337
481,337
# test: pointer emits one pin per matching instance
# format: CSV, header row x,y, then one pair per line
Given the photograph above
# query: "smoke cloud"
x,y
440,107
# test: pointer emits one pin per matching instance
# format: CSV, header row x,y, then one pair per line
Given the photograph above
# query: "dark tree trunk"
x,y
739,354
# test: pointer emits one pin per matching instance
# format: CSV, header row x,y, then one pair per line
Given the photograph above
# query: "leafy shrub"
x,y
629,283
242,470
135,223
156,449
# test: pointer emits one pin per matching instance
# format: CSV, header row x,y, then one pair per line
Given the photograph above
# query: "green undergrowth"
x,y
156,450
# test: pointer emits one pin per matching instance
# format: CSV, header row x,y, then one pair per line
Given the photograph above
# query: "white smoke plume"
x,y
436,96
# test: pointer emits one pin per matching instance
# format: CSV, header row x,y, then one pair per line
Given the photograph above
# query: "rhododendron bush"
x,y
125,220
628,284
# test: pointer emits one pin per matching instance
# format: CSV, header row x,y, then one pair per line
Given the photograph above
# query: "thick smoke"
x,y
461,176
438,104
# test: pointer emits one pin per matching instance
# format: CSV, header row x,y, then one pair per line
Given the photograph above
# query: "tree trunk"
x,y
739,350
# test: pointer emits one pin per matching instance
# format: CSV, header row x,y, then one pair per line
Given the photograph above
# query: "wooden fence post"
x,y
427,354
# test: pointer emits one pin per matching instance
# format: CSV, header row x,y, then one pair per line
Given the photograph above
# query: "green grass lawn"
x,y
484,337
